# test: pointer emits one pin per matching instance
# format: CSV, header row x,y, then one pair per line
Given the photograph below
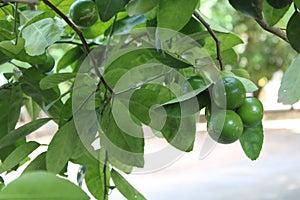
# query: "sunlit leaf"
x,y
170,15
19,154
288,93
41,34
42,185
137,7
124,187
94,179
61,147
53,80
22,131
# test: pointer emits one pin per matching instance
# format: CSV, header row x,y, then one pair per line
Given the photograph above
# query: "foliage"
x,y
129,70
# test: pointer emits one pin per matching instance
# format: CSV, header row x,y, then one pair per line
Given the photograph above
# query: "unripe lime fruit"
x,y
225,126
228,93
251,111
83,13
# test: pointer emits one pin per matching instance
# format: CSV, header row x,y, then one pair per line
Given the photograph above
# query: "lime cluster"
x,y
83,13
230,111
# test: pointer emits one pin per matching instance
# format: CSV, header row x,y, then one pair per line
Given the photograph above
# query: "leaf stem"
x,y
274,30
214,36
84,43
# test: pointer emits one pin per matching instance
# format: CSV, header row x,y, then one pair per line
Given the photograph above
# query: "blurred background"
x,y
226,173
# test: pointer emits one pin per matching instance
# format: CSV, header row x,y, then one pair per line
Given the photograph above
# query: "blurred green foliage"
x,y
262,53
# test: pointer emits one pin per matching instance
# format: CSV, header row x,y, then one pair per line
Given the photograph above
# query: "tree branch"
x,y
274,30
214,36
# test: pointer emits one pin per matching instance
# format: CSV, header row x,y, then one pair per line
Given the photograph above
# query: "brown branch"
x,y
82,39
214,36
274,30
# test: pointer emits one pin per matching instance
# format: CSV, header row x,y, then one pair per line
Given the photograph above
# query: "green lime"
x,y
48,64
225,126
83,13
228,93
251,111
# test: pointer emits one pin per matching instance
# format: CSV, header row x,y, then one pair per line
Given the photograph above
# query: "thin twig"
x,y
274,30
214,36
82,39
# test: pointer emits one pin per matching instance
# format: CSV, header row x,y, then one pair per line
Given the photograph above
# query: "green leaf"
x,y
42,185
31,87
229,40
124,61
63,5
94,179
297,2
53,80
124,187
127,146
279,3
109,8
252,141
142,100
187,107
3,58
22,131
32,108
29,17
7,30
40,35
288,93
179,132
175,14
293,31
273,15
241,73
17,52
11,101
124,26
69,58
4,152
38,164
137,7
19,154
252,8
230,57
61,147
